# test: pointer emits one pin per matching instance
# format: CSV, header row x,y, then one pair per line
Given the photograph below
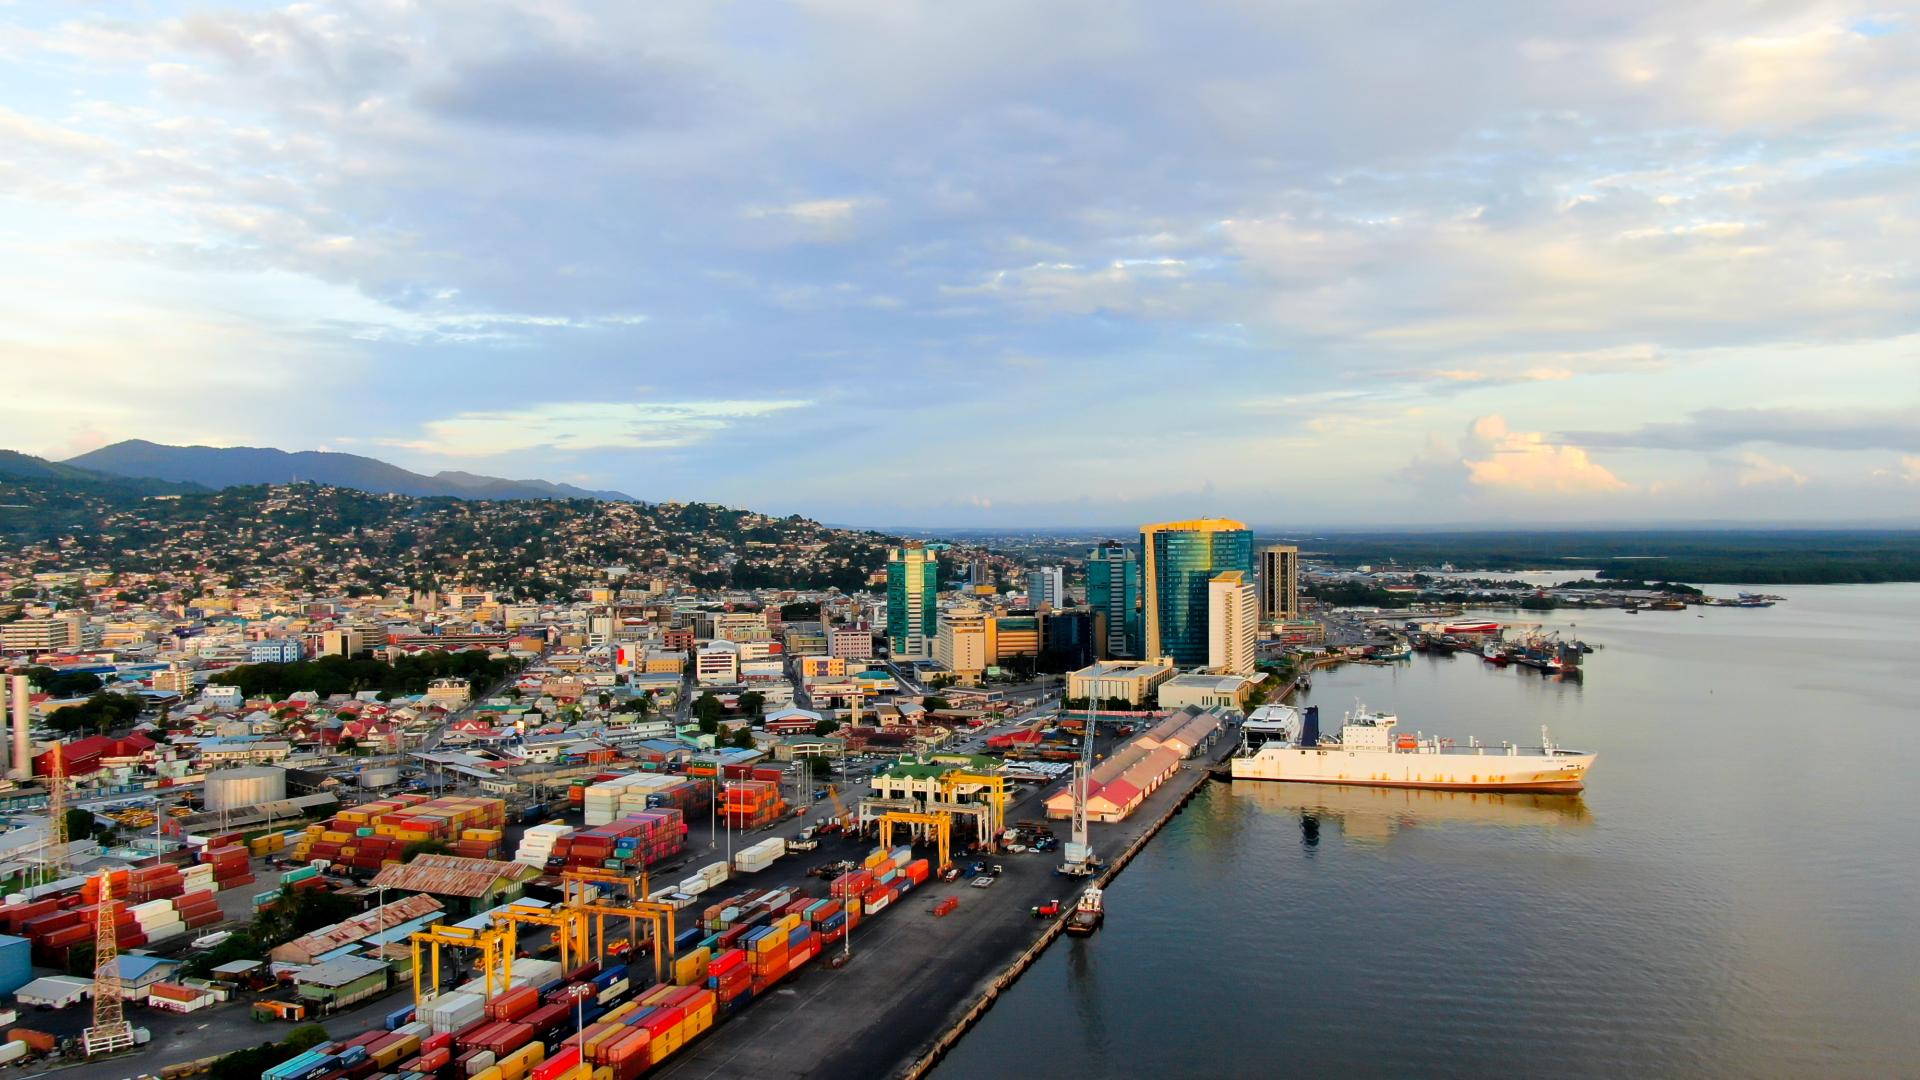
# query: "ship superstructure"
x,y
1285,744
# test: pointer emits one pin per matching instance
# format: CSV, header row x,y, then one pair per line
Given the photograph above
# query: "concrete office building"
x,y
1046,585
1180,559
1113,597
1233,624
1279,583
913,585
963,644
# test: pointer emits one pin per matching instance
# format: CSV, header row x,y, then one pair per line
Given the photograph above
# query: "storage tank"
x,y
238,789
379,776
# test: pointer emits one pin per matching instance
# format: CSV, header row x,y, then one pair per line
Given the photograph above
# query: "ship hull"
x,y
1492,771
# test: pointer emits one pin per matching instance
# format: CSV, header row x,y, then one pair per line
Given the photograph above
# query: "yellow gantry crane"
x,y
582,891
939,823
568,925
488,942
997,798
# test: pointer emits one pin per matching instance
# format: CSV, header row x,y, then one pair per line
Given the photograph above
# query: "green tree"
x,y
424,847
825,727
936,704
752,702
818,767
742,739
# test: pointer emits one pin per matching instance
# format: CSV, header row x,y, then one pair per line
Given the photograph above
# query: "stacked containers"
x,y
632,843
537,844
479,843
455,1012
759,856
730,976
232,866
157,920
752,803
144,883
198,909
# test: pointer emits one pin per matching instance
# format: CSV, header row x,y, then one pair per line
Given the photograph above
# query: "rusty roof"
x,y
451,875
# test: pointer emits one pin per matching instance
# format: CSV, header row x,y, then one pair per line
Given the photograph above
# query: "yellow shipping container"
x,y
658,994
788,922
491,1072
619,1011
691,969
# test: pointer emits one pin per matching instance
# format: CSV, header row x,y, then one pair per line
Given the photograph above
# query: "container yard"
x,y
888,960
889,963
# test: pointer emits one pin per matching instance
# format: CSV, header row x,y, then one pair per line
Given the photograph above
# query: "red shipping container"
x,y
550,1016
465,1037
514,1004
624,1047
506,1038
559,1065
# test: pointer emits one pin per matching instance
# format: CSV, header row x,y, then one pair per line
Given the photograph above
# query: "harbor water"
x,y
1736,894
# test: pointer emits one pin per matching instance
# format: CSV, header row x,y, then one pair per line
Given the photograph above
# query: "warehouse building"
x,y
341,982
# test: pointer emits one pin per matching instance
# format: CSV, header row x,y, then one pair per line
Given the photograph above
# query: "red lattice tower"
x,y
110,1030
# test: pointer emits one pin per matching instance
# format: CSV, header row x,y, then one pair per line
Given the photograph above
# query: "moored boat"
x,y
1088,914
1368,751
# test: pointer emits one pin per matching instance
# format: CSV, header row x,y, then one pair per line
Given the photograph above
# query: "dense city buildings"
x,y
1113,597
913,586
1179,561
1279,583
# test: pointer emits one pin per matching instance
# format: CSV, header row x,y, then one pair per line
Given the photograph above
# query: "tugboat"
x,y
1088,914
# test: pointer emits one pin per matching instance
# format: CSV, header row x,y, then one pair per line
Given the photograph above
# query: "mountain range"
x,y
237,466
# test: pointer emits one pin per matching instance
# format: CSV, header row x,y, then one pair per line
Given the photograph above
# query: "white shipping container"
x,y
451,1012
481,1062
12,1051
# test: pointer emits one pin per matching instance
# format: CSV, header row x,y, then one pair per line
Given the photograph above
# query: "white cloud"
x,y
1757,471
1497,457
587,425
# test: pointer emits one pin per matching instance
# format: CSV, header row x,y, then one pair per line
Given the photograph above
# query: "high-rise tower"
x,y
1179,559
1113,595
1233,623
1279,583
913,585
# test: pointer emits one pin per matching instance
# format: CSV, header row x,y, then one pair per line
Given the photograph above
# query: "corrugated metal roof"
x,y
450,875
339,972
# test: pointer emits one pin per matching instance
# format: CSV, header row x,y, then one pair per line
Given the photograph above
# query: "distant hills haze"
x,y
234,466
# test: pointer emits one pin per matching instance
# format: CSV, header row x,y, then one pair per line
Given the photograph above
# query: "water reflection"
x,y
1375,815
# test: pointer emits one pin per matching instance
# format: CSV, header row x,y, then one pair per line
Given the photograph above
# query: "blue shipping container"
x,y
16,963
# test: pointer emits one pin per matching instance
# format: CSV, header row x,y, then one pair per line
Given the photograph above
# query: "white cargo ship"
x,y
1284,743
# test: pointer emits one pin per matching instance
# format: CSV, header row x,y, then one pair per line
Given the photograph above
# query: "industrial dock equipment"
x,y
488,942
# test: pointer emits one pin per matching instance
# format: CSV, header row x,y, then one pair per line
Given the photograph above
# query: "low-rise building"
x,y
1132,681
1203,691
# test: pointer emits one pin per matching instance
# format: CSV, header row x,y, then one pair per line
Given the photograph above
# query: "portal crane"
x,y
569,930
1078,859
488,942
939,823
580,891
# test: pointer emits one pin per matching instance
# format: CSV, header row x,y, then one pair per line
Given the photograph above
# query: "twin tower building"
x,y
1195,592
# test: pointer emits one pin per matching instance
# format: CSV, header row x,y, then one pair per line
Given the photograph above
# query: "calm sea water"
x,y
1736,894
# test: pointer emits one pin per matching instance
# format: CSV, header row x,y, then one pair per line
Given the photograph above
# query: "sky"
x,y
994,263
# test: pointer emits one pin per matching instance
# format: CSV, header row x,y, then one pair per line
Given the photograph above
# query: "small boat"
x,y
1088,914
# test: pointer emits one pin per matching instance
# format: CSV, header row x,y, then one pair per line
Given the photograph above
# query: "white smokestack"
x,y
22,744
